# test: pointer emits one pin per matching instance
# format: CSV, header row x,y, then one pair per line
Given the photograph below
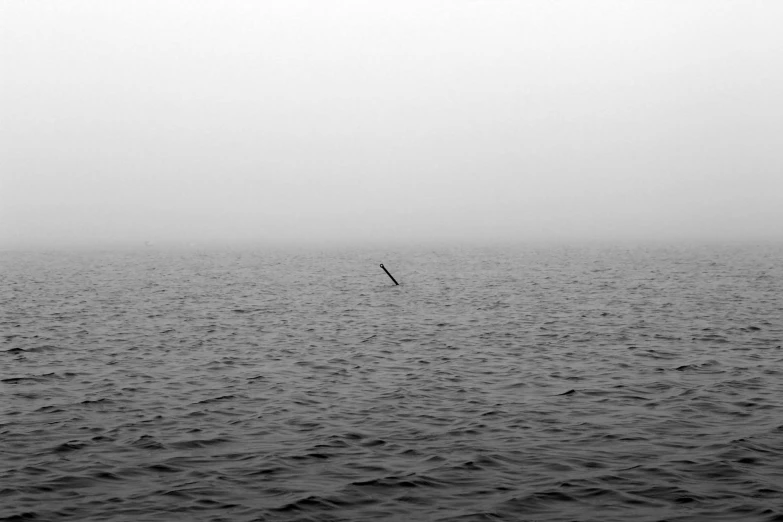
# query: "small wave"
x,y
147,442
400,482
163,468
312,502
90,402
198,443
20,517
69,446
217,399
17,380
44,377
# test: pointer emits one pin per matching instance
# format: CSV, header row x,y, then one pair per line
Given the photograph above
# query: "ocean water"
x,y
543,383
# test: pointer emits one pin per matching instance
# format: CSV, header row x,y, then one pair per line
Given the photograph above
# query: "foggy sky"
x,y
351,121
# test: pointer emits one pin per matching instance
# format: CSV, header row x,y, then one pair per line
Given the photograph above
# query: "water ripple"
x,y
494,384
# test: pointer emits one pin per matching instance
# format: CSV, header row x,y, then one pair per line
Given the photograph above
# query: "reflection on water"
x,y
493,384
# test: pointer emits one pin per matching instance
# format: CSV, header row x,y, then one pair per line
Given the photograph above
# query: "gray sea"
x,y
540,383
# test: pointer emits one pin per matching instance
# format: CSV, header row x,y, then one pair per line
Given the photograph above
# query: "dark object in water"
x,y
388,274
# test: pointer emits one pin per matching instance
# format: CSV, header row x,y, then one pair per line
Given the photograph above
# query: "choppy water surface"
x,y
493,384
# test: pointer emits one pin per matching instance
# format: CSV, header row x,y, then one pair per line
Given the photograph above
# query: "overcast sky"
x,y
192,121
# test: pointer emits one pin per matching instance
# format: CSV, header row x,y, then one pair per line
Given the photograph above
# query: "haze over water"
x,y
509,383
414,121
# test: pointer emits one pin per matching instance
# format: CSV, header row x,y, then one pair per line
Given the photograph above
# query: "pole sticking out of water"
x,y
388,274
